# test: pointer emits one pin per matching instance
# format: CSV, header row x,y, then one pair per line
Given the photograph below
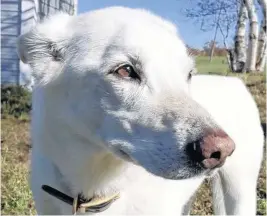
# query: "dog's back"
x,y
233,107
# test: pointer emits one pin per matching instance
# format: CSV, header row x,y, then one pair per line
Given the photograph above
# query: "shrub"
x,y
15,100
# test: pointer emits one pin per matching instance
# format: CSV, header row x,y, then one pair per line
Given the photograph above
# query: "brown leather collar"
x,y
81,205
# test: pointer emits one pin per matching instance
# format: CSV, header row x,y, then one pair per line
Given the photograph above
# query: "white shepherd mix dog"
x,y
115,110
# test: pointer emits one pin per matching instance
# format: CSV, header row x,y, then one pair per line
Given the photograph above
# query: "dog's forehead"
x,y
115,16
122,31
129,27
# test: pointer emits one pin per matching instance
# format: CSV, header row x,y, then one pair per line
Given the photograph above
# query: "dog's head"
x,y
124,74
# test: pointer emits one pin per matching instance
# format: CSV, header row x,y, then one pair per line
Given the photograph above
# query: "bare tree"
x,y
215,34
210,13
209,48
220,14
247,55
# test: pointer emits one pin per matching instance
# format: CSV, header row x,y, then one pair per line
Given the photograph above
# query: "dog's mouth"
x,y
194,169
211,173
198,170
125,156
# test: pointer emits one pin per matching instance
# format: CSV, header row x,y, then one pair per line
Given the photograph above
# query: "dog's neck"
x,y
93,171
101,174
98,172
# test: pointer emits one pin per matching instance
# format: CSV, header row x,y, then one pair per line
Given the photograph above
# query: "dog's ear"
x,y
44,47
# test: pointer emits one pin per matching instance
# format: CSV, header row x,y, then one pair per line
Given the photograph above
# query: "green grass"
x,y
16,196
218,65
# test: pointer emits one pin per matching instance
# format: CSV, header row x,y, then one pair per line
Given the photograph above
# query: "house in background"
x,y
17,17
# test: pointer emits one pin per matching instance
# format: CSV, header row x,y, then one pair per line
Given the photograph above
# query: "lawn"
x,y
218,65
16,196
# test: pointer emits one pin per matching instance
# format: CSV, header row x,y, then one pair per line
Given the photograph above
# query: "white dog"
x,y
120,127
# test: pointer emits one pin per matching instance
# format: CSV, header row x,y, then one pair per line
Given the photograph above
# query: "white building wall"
x,y
17,17
10,28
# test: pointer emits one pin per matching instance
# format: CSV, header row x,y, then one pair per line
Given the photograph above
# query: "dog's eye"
x,y
127,72
190,74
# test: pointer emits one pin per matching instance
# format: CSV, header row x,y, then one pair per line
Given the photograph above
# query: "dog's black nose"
x,y
211,150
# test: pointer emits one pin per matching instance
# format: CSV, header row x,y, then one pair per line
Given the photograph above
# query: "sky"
x,y
172,10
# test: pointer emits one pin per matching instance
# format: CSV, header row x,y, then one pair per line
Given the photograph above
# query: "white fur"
x,y
83,116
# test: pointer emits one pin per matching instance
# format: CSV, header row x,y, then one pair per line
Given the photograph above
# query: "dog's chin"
x,y
194,172
187,174
190,171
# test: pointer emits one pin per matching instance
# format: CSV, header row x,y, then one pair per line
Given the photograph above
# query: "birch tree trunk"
x,y
240,39
261,54
231,59
262,61
253,35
